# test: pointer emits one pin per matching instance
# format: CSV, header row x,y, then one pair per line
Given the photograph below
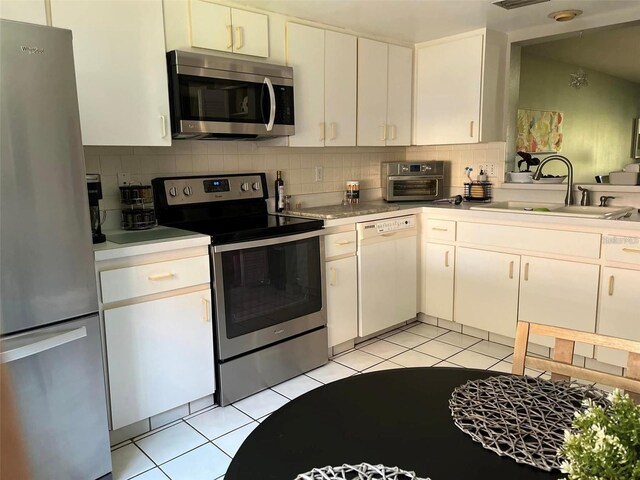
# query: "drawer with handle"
x,y
440,230
621,249
139,280
339,244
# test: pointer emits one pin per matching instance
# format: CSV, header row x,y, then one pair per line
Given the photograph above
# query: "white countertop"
x,y
164,239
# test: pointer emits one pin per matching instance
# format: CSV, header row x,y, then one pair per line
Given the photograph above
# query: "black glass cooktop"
x,y
247,228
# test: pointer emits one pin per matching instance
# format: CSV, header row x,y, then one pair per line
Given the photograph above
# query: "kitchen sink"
x,y
556,209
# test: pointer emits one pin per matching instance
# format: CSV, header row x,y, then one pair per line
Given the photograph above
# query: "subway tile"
x,y
185,163
230,148
199,148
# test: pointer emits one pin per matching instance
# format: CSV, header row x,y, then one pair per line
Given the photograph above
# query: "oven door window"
x,y
265,286
415,187
206,99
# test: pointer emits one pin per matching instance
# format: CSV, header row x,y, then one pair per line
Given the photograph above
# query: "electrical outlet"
x,y
488,168
319,174
124,179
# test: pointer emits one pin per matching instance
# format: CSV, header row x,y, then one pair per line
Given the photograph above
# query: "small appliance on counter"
x,y
630,175
94,188
137,207
352,192
412,181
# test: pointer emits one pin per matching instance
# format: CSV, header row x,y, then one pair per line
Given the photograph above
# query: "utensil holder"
x,y
478,191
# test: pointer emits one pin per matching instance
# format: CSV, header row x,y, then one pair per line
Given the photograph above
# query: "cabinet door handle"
x,y
161,276
205,310
333,130
392,129
383,132
239,38
526,272
163,125
446,259
471,129
344,242
438,229
334,277
631,250
229,37
322,132
511,263
611,285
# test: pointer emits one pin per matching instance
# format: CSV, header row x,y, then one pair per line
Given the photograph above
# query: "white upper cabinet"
x,y
324,72
340,58
121,70
384,94
218,27
458,89
399,95
29,11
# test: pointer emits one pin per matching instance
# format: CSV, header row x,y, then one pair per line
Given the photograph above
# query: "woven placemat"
x,y
362,471
521,417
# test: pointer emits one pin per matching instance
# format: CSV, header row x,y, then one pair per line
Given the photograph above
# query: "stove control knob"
x,y
255,185
187,191
244,187
173,191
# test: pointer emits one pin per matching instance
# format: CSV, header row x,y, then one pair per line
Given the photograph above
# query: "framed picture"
x,y
539,131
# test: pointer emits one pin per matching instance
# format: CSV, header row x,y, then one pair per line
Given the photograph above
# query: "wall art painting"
x,y
539,131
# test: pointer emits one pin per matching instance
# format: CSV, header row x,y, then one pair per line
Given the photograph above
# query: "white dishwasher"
x,y
387,273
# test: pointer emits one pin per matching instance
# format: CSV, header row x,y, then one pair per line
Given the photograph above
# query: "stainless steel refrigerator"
x,y
50,350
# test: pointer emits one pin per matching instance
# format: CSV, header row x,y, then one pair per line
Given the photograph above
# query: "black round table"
x,y
395,417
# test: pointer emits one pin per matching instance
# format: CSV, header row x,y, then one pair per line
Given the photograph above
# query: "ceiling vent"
x,y
511,4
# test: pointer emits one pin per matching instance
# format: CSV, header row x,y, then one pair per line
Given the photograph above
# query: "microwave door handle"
x,y
272,97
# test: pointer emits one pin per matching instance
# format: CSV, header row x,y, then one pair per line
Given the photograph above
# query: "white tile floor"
x,y
201,446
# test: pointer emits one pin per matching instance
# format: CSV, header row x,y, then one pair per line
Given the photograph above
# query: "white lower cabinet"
x,y
486,290
619,311
559,293
160,355
437,290
342,300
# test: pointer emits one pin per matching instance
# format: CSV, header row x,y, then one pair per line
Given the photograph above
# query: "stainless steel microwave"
x,y
226,98
412,181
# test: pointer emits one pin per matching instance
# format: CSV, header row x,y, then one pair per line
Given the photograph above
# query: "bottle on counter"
x,y
279,192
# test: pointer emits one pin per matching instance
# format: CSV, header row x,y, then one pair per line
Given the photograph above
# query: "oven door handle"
x,y
266,242
415,177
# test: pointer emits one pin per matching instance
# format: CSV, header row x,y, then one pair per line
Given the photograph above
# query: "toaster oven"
x,y
412,181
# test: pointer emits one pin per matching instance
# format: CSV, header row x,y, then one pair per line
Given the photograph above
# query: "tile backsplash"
x,y
193,157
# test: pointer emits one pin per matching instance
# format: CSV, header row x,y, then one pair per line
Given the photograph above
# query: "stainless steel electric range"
x,y
266,276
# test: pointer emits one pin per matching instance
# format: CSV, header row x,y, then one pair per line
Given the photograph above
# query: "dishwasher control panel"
x,y
387,226
394,224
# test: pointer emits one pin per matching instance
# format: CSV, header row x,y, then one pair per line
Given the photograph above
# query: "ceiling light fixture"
x,y
565,15
511,4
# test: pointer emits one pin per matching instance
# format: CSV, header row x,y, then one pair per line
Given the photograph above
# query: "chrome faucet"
x,y
568,199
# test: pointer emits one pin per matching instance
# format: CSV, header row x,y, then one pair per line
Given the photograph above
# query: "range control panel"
x,y
395,224
188,190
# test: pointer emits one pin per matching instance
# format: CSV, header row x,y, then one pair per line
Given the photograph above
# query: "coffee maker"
x,y
94,188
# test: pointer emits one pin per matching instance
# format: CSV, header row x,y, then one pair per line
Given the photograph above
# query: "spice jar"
x,y
353,191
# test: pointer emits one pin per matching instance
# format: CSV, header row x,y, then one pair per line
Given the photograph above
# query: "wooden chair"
x,y
561,367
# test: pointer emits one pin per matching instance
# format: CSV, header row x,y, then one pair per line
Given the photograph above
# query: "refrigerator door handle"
x,y
42,343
